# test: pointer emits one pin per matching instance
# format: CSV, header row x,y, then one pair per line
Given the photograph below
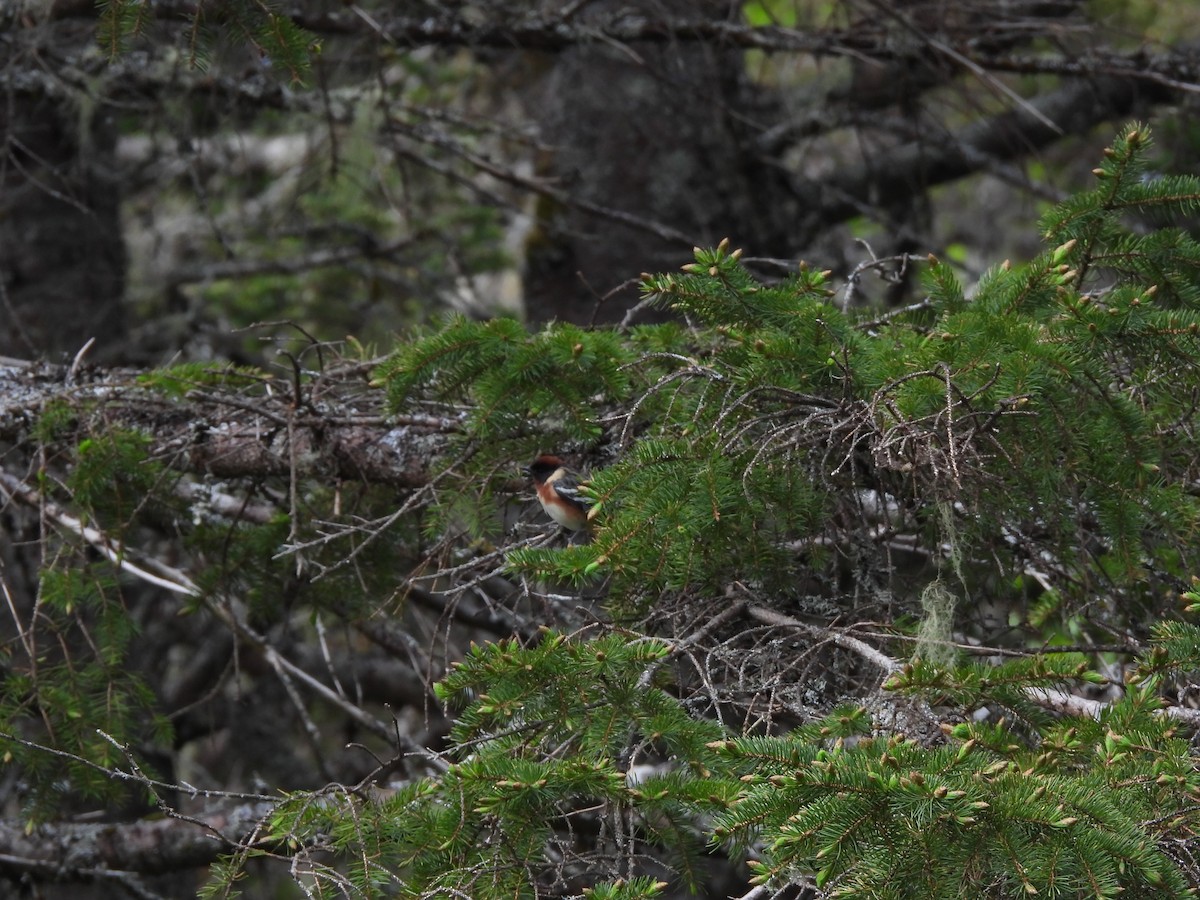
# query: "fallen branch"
x,y
234,434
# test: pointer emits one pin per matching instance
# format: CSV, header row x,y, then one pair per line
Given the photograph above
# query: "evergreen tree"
x,y
873,605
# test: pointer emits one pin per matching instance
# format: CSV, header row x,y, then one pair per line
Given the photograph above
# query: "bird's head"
x,y
543,467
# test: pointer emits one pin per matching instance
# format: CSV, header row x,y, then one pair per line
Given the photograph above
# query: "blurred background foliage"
x,y
356,170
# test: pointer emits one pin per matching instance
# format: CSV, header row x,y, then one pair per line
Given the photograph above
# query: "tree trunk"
x,y
62,256
656,131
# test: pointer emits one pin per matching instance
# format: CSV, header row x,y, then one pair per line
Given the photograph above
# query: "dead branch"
x,y
65,850
228,433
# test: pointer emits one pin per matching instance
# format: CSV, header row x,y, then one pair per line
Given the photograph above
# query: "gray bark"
x,y
62,254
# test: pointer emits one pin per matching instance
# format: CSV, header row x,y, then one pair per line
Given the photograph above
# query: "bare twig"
x,y
841,639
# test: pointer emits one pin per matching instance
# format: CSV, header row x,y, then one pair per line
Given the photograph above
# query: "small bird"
x,y
558,492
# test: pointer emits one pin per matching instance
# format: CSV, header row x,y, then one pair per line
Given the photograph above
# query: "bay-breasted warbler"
x,y
558,492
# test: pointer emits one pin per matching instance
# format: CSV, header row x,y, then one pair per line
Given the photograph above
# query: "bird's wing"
x,y
569,489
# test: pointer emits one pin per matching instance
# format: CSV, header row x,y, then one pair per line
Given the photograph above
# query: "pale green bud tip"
x,y
1060,252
